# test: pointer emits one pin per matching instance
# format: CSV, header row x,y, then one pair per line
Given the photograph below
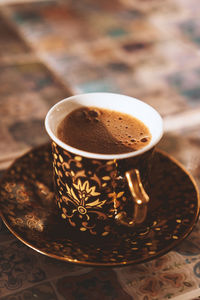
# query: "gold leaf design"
x,y
83,229
96,203
73,194
106,178
68,189
110,162
85,187
120,194
60,158
78,158
96,178
80,174
81,194
65,165
112,195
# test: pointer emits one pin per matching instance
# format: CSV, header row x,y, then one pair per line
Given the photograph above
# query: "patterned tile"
x,y
19,267
11,44
133,55
22,267
187,84
55,268
98,284
183,145
163,278
27,92
190,28
192,7
41,292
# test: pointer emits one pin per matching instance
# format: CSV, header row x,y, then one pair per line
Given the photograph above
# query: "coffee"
x,y
103,131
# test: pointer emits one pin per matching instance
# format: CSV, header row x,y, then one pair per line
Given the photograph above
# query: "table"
x,y
51,49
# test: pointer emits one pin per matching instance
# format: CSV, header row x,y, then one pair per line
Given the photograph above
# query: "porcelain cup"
x,y
96,193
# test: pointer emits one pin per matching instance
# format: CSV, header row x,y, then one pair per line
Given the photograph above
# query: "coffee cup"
x,y
97,193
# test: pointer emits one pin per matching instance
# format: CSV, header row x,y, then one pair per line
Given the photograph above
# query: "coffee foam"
x,y
103,131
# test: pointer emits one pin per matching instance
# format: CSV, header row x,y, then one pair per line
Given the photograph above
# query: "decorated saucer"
x,y
28,209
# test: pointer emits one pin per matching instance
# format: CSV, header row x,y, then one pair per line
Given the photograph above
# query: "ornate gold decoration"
x,y
78,183
83,197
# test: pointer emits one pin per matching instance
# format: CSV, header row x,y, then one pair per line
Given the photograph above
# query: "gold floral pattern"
x,y
82,203
83,191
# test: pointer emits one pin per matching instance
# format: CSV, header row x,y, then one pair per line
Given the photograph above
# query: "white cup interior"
x,y
125,104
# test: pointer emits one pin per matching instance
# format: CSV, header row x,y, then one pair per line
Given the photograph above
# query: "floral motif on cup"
x,y
83,201
84,191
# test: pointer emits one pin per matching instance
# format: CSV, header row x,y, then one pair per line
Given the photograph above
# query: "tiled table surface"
x,y
146,49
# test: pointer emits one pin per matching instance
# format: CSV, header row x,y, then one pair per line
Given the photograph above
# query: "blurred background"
x,y
145,49
148,49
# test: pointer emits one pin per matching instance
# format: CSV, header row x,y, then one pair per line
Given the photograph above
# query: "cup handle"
x,y
140,200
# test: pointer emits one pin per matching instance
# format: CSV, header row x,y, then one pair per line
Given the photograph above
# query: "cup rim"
x,y
92,155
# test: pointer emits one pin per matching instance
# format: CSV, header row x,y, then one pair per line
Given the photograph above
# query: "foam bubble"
x,y
144,140
93,113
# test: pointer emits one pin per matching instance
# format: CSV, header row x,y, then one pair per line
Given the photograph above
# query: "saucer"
x,y
28,210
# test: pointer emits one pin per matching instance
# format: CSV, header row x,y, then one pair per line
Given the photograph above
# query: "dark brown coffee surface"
x,y
103,131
